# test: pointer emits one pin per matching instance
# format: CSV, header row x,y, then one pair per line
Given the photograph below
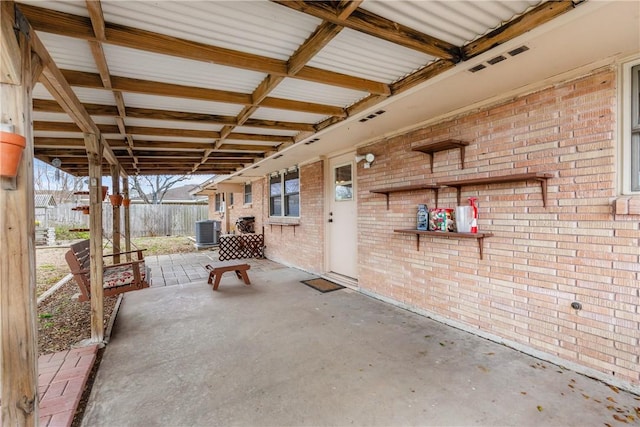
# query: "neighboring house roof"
x,y
44,201
180,194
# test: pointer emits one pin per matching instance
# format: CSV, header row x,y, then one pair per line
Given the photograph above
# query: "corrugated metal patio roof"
x,y
194,80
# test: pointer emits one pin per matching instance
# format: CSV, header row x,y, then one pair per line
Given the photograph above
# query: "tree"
x,y
152,188
61,184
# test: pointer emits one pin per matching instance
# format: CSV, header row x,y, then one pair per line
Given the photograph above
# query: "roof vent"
x,y
372,116
278,156
255,167
518,50
499,58
311,141
494,61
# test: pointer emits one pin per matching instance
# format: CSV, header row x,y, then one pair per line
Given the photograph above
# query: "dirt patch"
x,y
63,321
50,267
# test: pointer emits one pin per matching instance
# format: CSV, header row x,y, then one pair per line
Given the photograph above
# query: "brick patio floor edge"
x,y
62,377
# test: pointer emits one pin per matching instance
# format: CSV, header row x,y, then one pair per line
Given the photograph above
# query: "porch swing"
x,y
117,278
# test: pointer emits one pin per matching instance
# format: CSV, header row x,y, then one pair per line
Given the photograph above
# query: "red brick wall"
x,y
539,260
212,214
303,246
255,208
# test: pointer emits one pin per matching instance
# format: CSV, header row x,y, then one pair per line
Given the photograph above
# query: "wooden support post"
x,y
115,188
127,219
10,60
36,68
94,153
18,331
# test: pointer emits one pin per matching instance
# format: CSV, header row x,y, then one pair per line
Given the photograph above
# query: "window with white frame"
x,y
635,128
284,194
219,199
247,193
631,127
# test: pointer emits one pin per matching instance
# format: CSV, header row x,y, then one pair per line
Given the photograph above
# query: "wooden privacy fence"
x,y
146,220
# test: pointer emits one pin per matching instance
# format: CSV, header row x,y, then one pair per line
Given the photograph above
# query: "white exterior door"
x,y
342,224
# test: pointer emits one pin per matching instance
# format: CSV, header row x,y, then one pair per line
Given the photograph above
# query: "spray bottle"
x,y
474,221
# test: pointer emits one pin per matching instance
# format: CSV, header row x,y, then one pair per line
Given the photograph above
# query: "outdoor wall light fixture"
x,y
368,158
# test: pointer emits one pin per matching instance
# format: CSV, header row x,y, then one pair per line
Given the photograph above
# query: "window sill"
x,y
627,205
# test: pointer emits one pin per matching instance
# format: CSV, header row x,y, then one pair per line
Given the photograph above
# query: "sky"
x,y
42,167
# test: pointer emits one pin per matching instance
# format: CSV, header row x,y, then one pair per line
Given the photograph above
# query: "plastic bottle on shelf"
x,y
474,220
423,217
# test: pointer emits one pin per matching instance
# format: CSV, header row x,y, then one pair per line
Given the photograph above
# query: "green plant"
x,y
45,315
47,267
63,232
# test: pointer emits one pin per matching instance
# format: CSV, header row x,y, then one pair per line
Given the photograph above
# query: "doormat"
x,y
322,285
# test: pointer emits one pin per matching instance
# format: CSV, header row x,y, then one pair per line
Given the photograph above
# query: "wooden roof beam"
x,y
421,76
97,21
320,38
520,25
46,142
167,170
80,27
345,8
377,26
55,82
312,46
125,84
149,131
154,114
167,145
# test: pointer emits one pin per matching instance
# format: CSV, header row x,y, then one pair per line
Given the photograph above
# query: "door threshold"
x,y
346,281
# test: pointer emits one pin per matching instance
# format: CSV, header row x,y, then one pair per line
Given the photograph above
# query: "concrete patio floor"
x,y
279,353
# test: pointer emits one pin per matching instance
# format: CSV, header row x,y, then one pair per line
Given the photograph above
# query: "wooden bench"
x,y
215,274
117,278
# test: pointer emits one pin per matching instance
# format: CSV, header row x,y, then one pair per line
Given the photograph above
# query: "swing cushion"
x,y
122,275
116,278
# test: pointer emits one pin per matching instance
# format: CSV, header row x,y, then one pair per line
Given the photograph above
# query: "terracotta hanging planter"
x,y
126,202
11,147
116,200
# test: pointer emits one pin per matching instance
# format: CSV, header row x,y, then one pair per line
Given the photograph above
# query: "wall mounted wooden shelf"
x,y
447,235
387,191
539,176
433,147
284,224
